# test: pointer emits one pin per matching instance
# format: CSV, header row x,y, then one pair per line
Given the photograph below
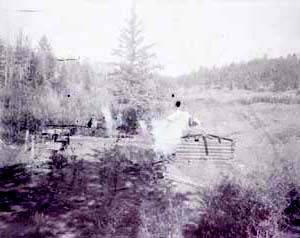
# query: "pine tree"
x,y
134,71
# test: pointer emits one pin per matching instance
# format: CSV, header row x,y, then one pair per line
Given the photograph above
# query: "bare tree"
x,y
2,64
46,63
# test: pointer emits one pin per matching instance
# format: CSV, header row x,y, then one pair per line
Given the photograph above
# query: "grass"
x,y
245,97
270,99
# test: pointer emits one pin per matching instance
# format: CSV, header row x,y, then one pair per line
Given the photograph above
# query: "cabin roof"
x,y
193,135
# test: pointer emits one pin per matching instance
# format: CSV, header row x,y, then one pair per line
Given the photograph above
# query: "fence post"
x,y
32,146
26,139
205,145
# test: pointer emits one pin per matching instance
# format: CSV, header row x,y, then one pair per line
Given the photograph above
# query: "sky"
x,y
187,33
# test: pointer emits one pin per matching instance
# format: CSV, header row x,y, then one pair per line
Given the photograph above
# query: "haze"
x,y
187,34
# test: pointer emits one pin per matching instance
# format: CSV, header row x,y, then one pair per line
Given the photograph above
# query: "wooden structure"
x,y
205,147
58,134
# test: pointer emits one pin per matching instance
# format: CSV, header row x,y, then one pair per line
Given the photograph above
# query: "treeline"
x,y
37,88
278,74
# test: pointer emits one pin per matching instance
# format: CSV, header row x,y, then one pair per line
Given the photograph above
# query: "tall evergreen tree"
x,y
134,72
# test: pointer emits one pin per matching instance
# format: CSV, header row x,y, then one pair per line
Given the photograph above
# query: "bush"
x,y
16,123
128,184
291,214
128,117
230,211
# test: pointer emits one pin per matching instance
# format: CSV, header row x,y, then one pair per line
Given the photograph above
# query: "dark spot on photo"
x,y
89,124
177,104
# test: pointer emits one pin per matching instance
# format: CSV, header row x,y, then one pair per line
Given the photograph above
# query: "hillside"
x,y
276,74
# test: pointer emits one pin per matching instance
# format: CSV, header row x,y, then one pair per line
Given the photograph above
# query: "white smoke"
x,y
167,133
143,127
108,119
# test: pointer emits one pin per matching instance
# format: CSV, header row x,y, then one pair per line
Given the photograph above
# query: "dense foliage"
x,y
37,88
135,73
33,81
230,211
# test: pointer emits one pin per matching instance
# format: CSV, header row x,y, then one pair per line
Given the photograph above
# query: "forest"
x,y
38,88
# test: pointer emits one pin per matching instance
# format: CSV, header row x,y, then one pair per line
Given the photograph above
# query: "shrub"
x,y
291,214
128,117
128,185
16,123
230,210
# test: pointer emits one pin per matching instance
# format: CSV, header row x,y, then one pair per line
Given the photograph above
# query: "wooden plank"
x,y
202,153
208,136
203,148
205,145
184,160
202,145
204,157
208,141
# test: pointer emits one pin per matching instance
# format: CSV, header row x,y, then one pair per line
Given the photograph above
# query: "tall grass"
x,y
270,99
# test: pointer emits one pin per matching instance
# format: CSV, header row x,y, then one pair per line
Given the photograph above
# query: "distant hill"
x,y
276,74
